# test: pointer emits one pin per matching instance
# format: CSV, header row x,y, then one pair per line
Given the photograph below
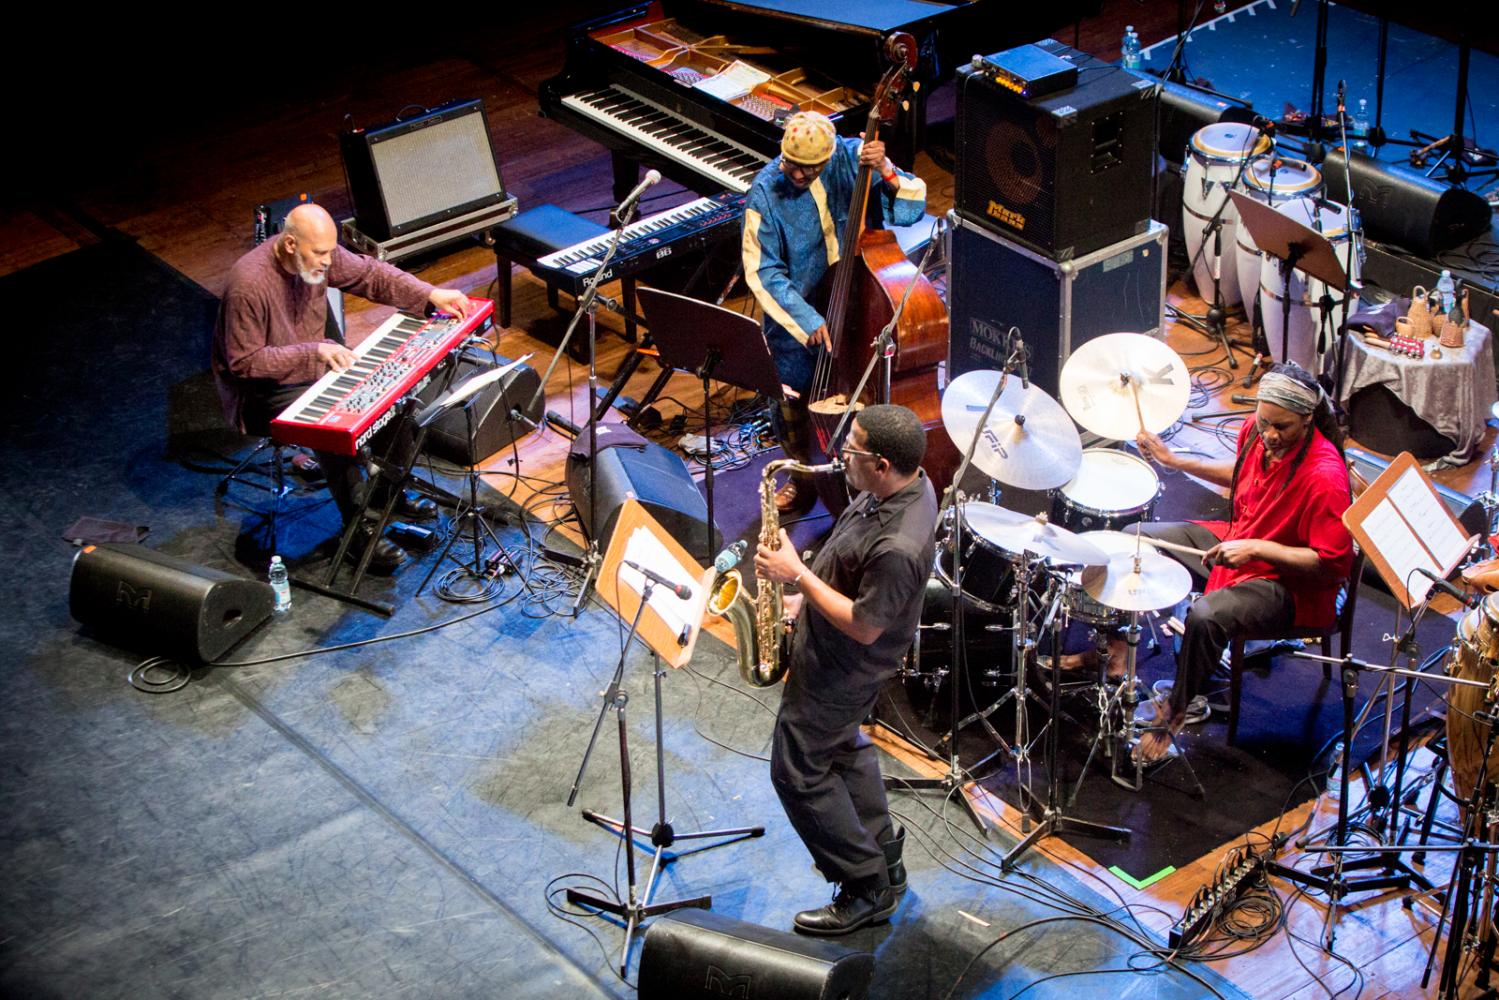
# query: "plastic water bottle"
x,y
1448,292
1335,773
281,585
1129,49
1361,125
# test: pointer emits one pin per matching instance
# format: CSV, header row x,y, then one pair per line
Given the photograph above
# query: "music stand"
x,y
670,629
713,343
1298,248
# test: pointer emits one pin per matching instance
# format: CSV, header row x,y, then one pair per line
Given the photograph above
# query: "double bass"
x,y
873,280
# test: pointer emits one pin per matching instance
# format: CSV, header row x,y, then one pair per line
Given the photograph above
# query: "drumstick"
x,y
1185,550
1134,387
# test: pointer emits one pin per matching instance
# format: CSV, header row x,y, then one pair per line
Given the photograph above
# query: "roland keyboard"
x,y
341,411
646,242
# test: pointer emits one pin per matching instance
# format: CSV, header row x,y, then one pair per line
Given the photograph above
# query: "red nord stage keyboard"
x,y
341,411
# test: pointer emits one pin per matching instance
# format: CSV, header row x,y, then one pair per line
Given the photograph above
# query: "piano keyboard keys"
x,y
722,160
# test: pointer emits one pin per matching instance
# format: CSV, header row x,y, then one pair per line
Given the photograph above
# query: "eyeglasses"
x,y
850,450
806,169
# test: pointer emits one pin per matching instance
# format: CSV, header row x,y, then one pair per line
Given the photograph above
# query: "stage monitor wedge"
x,y
415,173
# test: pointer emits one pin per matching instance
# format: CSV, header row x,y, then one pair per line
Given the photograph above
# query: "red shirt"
x,y
1304,512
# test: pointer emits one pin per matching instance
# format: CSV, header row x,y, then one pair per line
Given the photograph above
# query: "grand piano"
x,y
699,89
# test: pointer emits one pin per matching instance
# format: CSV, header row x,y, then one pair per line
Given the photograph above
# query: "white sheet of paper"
x,y
738,79
646,549
1429,519
1401,549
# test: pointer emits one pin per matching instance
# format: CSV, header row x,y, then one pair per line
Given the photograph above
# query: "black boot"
x,y
894,866
859,902
384,561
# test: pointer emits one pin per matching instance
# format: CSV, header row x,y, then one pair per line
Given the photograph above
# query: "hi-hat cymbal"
x,y
1154,583
1029,442
1014,532
1114,383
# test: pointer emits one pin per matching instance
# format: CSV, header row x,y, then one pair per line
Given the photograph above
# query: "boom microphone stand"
x,y
588,304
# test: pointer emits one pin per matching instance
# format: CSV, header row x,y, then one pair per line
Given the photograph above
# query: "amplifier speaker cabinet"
x,y
421,171
994,284
652,475
1064,174
448,436
699,953
156,603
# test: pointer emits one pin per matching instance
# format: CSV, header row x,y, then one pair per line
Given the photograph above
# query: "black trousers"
x,y
1251,608
827,775
345,474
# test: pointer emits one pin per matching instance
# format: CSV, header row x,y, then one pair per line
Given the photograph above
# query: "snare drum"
x,y
1215,158
988,576
1112,488
1305,293
1474,657
1290,179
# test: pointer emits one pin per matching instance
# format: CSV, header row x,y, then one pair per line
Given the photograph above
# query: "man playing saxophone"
x,y
860,604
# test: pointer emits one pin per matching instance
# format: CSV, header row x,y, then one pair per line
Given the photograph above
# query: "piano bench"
x,y
528,236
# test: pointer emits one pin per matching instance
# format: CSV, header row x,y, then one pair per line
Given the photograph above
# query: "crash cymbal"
x,y
1154,583
1114,383
1029,442
1021,533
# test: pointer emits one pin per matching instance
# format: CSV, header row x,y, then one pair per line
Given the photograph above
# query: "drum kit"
x,y
1028,575
1226,262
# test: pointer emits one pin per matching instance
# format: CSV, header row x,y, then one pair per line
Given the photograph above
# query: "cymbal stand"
x,y
1050,819
637,907
955,777
588,303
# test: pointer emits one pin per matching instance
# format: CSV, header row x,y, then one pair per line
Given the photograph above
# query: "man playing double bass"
x,y
792,217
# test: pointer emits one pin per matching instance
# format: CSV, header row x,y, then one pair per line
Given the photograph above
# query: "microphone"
x,y
683,592
1020,356
1438,583
1342,95
729,557
651,177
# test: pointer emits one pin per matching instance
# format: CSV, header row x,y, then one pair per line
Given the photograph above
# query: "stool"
x,y
530,235
253,472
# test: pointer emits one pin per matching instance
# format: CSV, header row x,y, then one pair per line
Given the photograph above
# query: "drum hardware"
x,y
1049,816
966,433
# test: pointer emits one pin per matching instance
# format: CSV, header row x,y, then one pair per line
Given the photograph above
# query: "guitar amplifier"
x,y
1066,173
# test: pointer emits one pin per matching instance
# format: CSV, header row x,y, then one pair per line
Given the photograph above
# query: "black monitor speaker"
x,y
646,472
410,174
159,604
493,426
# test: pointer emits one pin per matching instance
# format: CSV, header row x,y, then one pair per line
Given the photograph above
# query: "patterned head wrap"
x,y
1289,393
808,138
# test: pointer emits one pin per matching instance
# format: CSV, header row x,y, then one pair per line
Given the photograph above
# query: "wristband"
x,y
891,178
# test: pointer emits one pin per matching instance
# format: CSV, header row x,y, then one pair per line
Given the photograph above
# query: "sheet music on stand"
x,y
670,626
1403,526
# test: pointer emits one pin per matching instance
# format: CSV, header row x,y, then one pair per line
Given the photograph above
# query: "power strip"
x,y
1245,869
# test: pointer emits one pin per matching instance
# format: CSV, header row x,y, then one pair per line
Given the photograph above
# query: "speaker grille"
x,y
428,171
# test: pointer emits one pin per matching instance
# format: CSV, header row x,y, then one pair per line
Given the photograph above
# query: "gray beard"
x,y
310,278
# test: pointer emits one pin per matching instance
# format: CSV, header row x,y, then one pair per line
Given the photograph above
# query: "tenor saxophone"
x,y
761,632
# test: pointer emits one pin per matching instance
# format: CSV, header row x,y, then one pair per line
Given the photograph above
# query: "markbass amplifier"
x,y
1065,173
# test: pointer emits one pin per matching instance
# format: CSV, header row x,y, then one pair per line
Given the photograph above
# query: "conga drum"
x,y
1474,657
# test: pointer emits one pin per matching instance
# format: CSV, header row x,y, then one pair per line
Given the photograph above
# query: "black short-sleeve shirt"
x,y
879,554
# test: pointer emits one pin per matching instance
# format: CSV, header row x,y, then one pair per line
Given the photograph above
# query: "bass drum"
x,y
930,658
1474,657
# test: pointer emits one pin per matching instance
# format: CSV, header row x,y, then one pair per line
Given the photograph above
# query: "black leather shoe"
x,y
851,909
894,866
387,557
414,507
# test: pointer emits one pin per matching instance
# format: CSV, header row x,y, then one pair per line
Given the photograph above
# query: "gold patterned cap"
x,y
808,138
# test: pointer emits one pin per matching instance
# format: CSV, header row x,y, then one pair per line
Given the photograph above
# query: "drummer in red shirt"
x,y
1282,559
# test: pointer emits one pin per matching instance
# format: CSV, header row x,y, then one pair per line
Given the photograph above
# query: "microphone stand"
x,y
587,303
1340,355
955,777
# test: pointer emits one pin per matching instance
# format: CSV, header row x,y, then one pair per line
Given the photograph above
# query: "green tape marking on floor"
x,y
1149,880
